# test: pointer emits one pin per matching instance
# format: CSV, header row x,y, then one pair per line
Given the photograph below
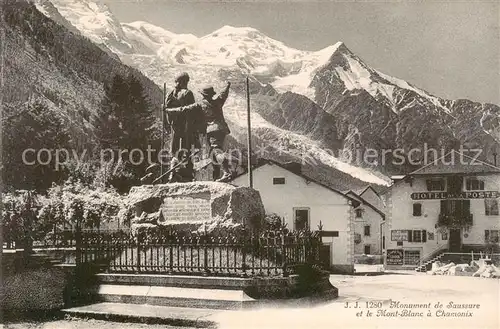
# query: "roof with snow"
x,y
455,162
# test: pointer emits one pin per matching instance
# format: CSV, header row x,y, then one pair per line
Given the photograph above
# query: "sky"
x,y
449,48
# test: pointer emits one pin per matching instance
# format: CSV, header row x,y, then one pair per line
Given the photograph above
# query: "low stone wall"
x,y
306,283
258,288
342,269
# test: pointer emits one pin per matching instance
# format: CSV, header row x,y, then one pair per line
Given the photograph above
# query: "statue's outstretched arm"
x,y
224,93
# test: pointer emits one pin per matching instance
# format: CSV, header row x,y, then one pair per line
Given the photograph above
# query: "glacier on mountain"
x,y
238,51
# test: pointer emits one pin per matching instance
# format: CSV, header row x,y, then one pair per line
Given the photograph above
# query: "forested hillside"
x,y
58,93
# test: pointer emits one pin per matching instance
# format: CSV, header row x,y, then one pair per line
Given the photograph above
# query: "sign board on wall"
x,y
399,235
329,233
461,195
394,257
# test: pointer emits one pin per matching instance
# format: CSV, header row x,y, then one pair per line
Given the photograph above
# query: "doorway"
x,y
455,240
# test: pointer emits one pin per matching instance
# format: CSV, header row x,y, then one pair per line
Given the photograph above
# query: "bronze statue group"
x,y
193,124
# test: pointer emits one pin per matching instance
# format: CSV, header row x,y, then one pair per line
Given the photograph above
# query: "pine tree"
x,y
33,126
125,124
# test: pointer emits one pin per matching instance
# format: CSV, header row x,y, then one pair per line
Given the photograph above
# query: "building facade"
x,y
368,228
449,205
304,203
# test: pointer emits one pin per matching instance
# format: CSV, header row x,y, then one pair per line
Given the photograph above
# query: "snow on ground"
x,y
384,288
366,268
86,324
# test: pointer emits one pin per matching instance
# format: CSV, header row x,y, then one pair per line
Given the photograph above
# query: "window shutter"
x,y
410,236
428,183
466,205
486,236
424,236
443,206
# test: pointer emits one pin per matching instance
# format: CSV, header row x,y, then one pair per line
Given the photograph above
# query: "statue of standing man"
x,y
185,130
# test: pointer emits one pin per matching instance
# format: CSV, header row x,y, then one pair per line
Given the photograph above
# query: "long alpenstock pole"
x,y
249,132
163,127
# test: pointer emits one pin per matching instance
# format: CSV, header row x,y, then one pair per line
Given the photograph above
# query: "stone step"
x,y
175,316
174,296
185,281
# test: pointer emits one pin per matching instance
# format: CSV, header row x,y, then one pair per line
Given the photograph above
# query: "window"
x,y
359,213
278,180
454,207
474,184
411,257
417,209
301,220
491,207
436,184
417,236
367,249
491,236
367,230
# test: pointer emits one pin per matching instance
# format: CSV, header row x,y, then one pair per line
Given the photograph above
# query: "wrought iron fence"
x,y
53,237
29,239
276,253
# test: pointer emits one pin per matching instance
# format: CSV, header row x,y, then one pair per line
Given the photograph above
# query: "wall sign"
x,y
394,257
399,235
329,233
187,209
461,195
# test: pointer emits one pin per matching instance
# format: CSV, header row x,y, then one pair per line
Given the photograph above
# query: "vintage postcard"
x,y
249,164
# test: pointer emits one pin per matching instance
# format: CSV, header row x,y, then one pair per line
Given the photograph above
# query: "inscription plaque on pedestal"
x,y
189,208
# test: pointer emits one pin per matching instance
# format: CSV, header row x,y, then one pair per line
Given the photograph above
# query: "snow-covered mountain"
x,y
342,104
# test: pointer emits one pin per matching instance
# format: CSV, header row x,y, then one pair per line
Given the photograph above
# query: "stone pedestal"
x,y
195,204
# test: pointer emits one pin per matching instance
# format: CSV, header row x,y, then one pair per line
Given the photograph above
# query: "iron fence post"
x,y
171,254
78,245
243,252
205,251
283,251
138,241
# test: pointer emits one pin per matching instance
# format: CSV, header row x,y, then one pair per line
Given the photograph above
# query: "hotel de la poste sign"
x,y
458,195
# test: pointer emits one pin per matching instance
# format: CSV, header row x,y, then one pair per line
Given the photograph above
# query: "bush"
x,y
273,222
366,259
